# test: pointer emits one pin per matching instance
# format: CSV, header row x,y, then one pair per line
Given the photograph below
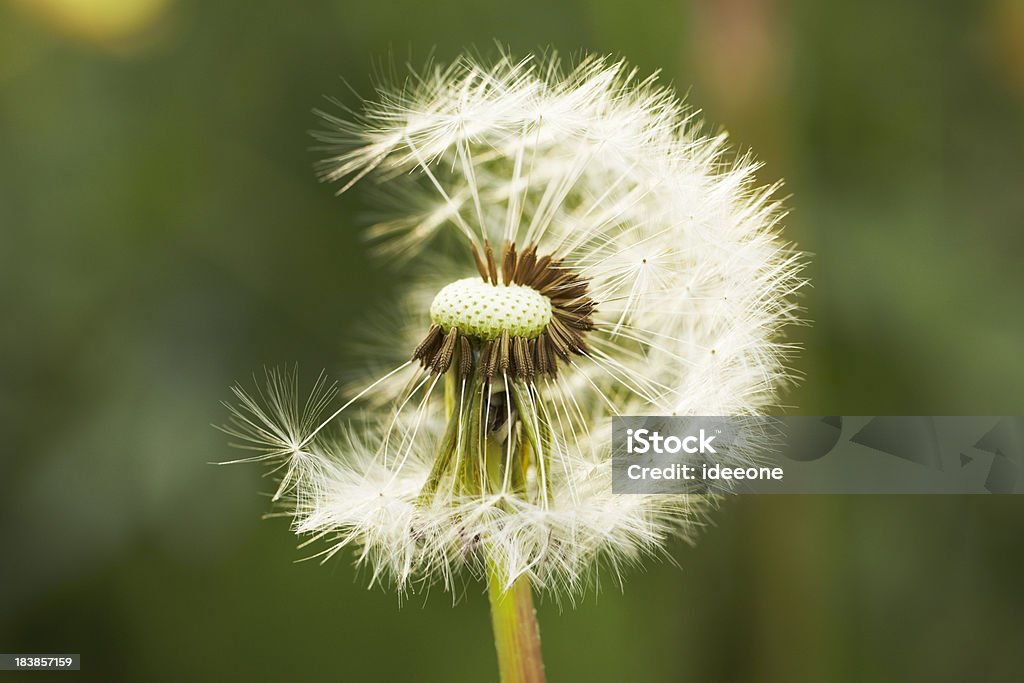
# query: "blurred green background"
x,y
162,236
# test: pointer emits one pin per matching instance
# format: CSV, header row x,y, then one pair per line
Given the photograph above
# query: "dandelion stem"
x,y
516,636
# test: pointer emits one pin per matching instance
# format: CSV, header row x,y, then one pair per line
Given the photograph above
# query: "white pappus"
x,y
602,256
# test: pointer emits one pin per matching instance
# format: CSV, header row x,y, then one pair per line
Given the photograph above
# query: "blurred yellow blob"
x,y
110,23
1006,41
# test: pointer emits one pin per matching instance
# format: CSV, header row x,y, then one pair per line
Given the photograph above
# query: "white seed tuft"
x,y
689,287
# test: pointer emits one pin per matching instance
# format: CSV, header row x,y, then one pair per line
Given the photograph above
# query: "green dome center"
x,y
481,309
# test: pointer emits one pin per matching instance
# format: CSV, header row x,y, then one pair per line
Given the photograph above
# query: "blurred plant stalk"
x,y
742,62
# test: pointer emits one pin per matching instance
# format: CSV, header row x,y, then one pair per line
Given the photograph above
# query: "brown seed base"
x,y
518,357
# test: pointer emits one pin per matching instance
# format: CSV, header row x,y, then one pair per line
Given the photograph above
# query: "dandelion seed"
x,y
611,260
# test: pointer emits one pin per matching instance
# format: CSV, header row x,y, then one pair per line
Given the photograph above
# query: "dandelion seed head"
x,y
606,257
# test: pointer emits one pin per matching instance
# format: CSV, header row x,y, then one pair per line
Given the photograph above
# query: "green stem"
x,y
516,636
